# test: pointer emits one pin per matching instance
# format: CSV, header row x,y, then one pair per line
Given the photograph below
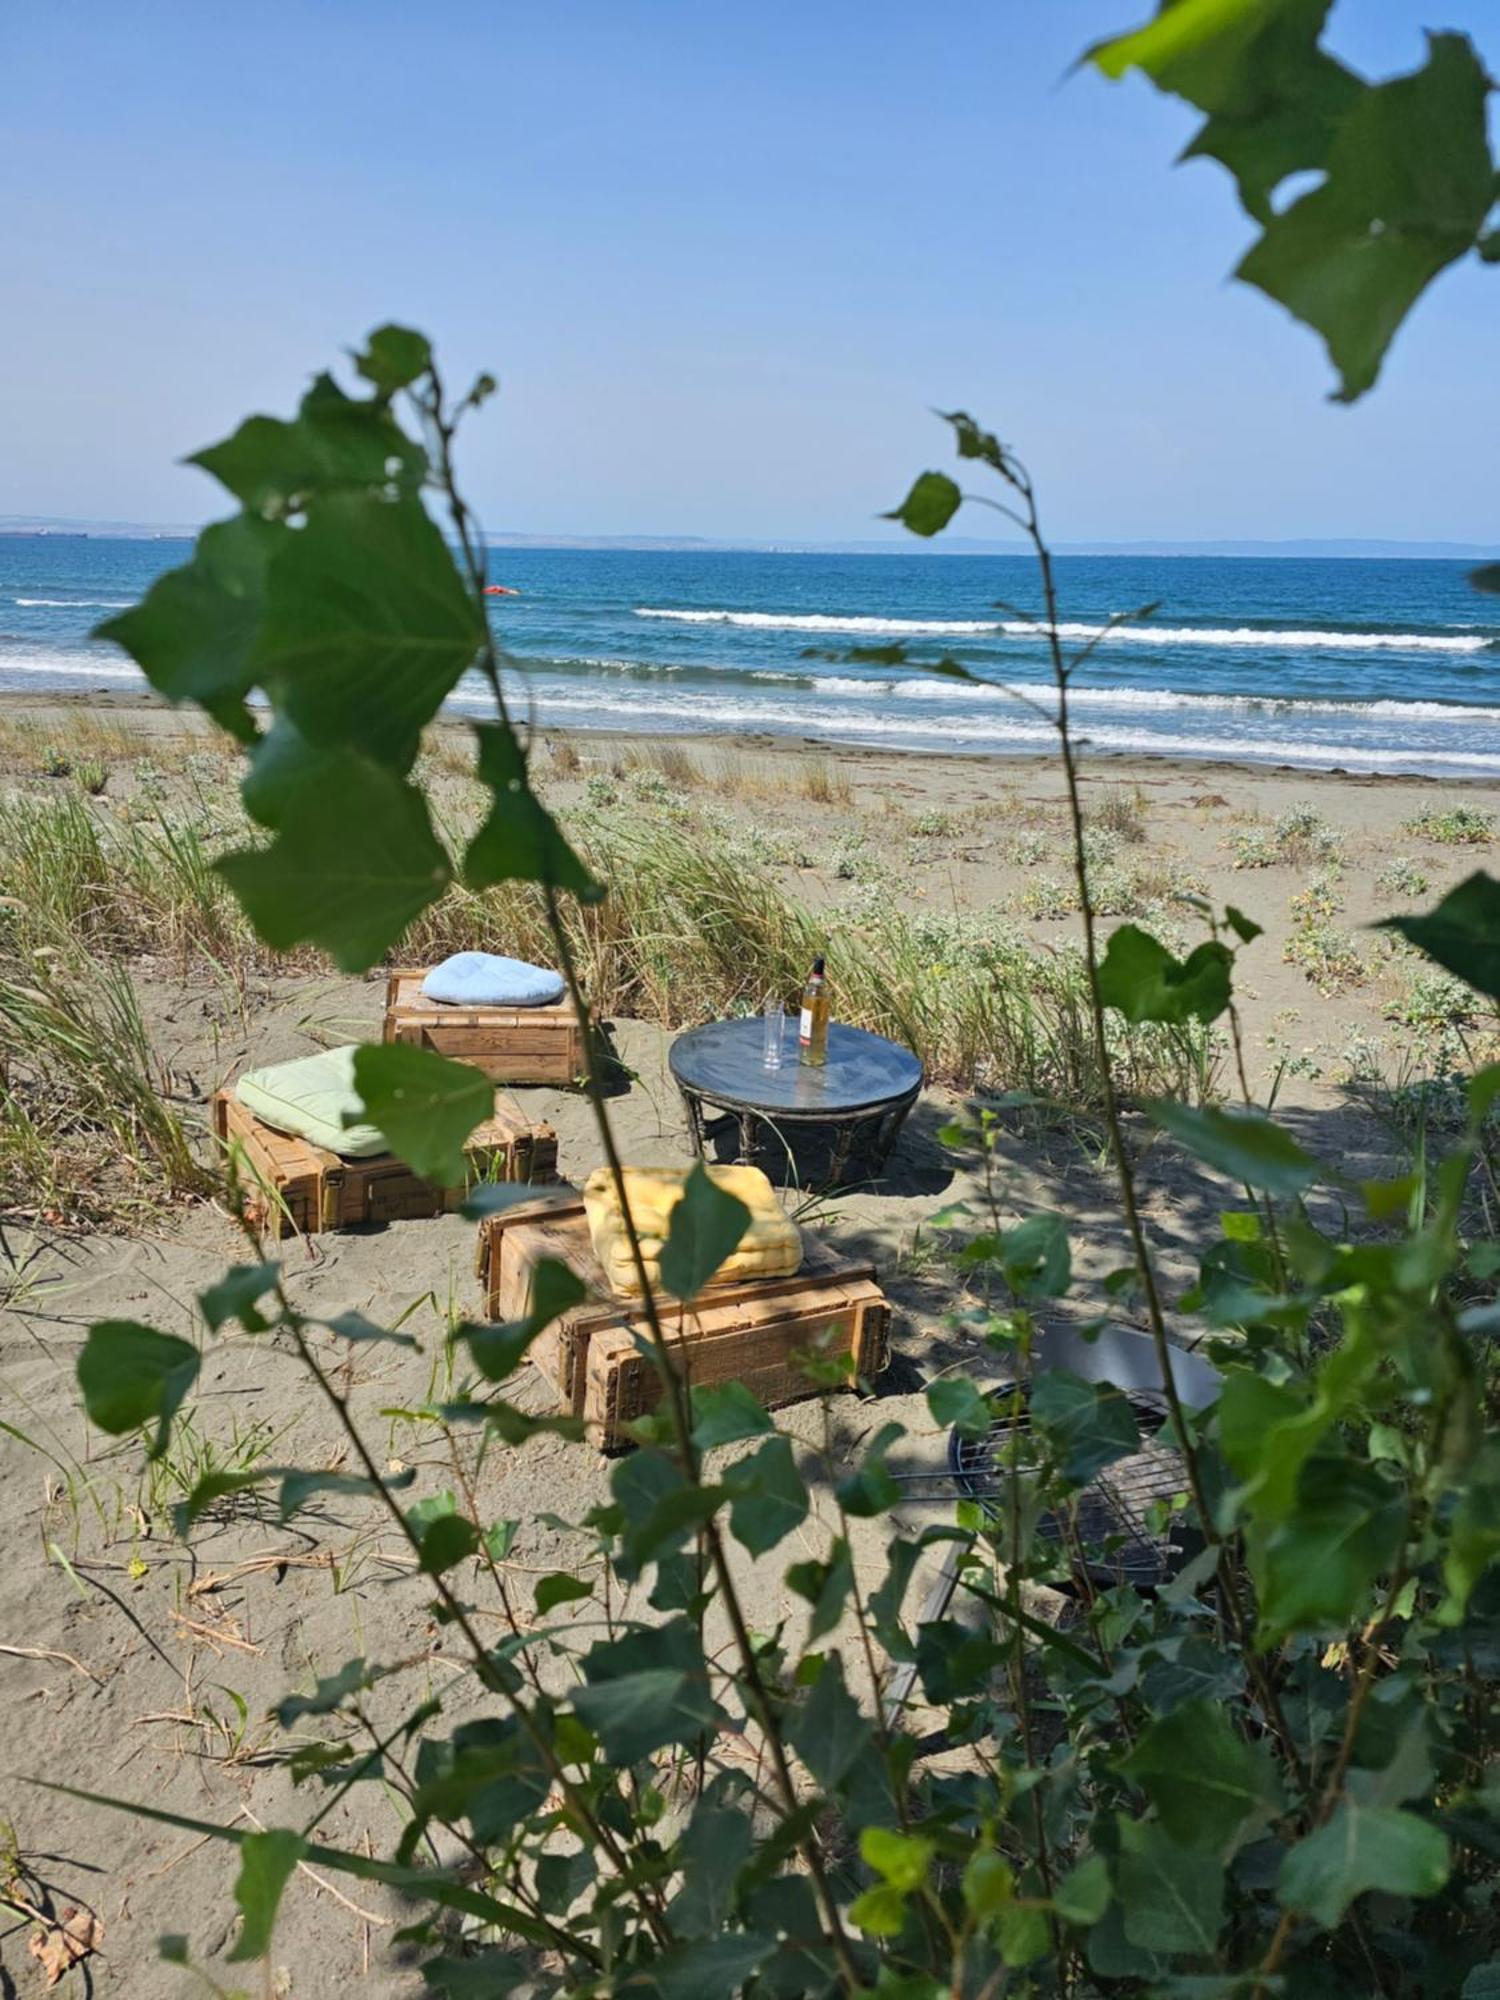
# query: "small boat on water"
x,y
500,590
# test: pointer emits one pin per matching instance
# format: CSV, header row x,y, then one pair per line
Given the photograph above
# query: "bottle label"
x,y
804,1025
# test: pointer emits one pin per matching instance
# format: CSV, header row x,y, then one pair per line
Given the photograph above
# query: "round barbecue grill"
x,y
1110,1519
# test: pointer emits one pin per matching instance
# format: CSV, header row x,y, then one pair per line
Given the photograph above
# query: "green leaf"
x,y
560,1588
354,859
1025,1935
706,1227
825,1586
639,1712
1145,982
234,1296
425,1104
1361,1848
872,1489
1084,1893
1317,1567
334,444
702,1969
354,1327
767,1499
211,1487
367,627
1205,1781
520,841
1183,47
132,1376
499,1539
931,504
193,633
828,1732
1473,1541
1486,578
973,442
1036,1258
266,1864
902,1859
958,1404
1172,1897
447,1542
725,1413
1483,1982
1088,1424
297,1488
394,358
499,1350
1241,1144
879,1912
331,1692
1246,929
1462,933
715,1849
1274,98
989,1884
1409,183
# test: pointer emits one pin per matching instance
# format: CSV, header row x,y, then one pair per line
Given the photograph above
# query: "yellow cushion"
x,y
770,1247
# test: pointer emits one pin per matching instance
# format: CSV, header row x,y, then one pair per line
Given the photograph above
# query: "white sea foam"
x,y
942,687
820,621
74,666
74,603
999,730
1077,632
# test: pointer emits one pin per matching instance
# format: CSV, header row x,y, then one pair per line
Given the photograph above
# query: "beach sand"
x,y
140,1668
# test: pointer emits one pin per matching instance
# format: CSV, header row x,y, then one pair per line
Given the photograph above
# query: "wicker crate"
x,y
510,1044
295,1188
753,1333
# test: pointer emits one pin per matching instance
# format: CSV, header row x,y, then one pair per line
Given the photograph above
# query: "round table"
x,y
865,1088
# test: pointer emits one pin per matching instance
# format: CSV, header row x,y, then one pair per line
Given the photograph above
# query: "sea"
x,y
1360,664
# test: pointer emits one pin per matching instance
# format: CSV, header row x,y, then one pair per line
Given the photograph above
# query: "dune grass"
x,y
696,925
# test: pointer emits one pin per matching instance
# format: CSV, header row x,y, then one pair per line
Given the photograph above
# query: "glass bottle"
x,y
812,1033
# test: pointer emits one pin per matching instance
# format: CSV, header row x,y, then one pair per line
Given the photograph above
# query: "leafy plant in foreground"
x,y
1405,178
1264,1769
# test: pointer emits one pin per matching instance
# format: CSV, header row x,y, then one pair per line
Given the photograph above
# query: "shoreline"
x,y
141,704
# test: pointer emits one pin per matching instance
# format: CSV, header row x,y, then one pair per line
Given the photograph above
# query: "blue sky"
x,y
723,258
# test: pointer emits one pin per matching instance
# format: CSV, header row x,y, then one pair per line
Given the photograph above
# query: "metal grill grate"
x,y
1112,1509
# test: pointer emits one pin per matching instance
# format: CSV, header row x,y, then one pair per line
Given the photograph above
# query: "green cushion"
x,y
308,1098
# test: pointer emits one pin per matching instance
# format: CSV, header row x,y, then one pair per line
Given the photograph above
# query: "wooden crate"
x,y
510,1044
752,1333
293,1187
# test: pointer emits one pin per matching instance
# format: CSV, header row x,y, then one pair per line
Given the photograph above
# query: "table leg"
x,y
843,1144
746,1122
889,1132
694,1111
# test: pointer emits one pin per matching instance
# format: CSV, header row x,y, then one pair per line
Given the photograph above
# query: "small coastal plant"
x,y
1402,877
1453,826
1243,1747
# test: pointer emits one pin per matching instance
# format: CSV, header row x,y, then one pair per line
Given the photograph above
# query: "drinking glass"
x,y
775,1023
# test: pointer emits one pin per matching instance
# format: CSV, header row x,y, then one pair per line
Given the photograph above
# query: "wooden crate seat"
x,y
510,1044
293,1187
756,1333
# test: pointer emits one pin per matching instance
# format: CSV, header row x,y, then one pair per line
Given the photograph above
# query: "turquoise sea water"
x,y
1365,664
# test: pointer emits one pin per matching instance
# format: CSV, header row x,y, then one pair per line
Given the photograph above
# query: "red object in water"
x,y
500,590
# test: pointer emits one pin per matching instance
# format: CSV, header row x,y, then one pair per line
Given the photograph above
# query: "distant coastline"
x,y
57,528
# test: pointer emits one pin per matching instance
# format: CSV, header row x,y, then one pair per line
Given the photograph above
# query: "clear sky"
x,y
723,256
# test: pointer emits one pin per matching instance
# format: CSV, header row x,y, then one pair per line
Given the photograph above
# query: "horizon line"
x,y
43,527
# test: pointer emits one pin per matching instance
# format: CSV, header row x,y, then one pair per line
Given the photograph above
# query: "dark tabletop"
x,y
864,1072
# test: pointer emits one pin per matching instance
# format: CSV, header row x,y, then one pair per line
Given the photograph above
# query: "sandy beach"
x,y
134,1665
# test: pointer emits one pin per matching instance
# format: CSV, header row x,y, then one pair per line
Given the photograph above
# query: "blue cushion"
x,y
480,979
